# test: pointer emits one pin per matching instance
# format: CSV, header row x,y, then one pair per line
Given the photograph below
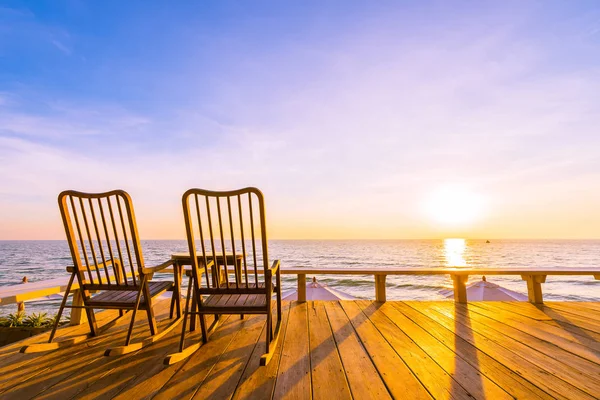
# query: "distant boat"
x,y
317,291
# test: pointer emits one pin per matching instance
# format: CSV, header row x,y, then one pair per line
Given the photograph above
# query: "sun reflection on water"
x,y
454,250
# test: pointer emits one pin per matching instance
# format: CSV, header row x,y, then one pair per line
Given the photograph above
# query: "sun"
x,y
454,205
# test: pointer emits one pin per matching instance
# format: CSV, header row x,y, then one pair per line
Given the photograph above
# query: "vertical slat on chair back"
x,y
101,227
226,223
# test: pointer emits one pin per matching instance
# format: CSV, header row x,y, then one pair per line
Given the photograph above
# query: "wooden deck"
x,y
337,350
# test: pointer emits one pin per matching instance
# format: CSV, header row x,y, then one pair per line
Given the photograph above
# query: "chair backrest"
x,y
103,238
228,224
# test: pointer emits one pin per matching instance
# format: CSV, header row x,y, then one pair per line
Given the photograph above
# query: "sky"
x,y
357,119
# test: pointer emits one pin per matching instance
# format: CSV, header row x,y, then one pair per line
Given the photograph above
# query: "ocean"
x,y
40,260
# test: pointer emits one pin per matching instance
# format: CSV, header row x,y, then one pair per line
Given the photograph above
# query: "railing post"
x,y
534,287
78,316
380,288
301,288
460,289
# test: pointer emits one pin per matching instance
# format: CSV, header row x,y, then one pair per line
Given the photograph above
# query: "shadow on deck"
x,y
336,350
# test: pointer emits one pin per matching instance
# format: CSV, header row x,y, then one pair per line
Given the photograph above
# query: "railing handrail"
x,y
440,271
533,276
32,290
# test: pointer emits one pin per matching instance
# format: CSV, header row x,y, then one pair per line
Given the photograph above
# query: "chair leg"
x,y
62,307
172,306
203,328
202,318
278,290
137,305
269,333
193,315
150,311
186,312
92,321
151,319
272,337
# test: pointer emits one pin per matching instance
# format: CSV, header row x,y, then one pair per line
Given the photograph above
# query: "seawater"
x,y
40,260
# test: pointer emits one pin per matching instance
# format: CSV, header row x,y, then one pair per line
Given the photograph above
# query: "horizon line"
x,y
338,239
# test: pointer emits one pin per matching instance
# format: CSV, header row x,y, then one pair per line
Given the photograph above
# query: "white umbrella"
x,y
316,291
486,291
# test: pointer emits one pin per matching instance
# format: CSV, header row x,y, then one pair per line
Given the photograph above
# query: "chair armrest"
x,y
274,267
189,272
151,270
71,268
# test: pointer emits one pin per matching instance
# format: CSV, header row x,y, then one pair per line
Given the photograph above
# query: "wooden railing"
x,y
534,277
16,294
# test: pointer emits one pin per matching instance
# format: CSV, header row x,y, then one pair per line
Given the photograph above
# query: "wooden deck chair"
x,y
232,226
109,267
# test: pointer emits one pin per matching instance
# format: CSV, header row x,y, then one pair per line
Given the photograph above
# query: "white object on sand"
x,y
317,291
486,291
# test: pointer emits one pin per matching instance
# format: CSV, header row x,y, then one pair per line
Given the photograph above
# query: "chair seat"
x,y
235,302
114,298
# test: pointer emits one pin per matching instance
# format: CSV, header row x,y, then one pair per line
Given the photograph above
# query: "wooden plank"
x,y
138,374
223,378
531,352
398,378
593,306
553,358
577,344
363,378
553,314
77,360
183,380
240,301
258,382
293,377
575,309
150,378
581,326
557,388
16,368
501,342
523,308
550,317
106,376
10,352
328,377
507,379
467,376
438,382
20,368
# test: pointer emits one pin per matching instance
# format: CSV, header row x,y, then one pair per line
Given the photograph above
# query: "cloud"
x,y
347,134
61,47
